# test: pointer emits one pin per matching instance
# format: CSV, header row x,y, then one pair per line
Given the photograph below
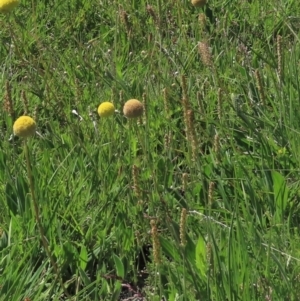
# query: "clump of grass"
x,y
186,189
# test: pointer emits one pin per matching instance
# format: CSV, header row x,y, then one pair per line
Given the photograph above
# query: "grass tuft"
x,y
191,193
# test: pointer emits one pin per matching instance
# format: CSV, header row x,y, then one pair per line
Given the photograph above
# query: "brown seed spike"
x,y
202,20
210,193
145,104
259,84
125,20
8,103
25,102
184,181
152,13
155,243
136,187
205,54
279,57
182,227
192,134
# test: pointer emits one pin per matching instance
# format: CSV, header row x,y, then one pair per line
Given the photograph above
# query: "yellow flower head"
x,y
133,108
199,3
7,5
24,127
106,109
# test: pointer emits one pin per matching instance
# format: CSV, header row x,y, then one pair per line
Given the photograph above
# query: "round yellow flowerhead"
x,y
106,109
133,108
24,127
7,5
199,3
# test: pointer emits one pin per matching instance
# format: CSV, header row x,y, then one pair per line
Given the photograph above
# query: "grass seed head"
x,y
8,102
133,108
151,12
198,3
7,5
205,54
24,127
106,109
202,19
155,243
182,227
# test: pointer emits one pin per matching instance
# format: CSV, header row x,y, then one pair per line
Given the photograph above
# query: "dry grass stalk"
x,y
192,134
260,88
8,102
184,181
279,58
25,102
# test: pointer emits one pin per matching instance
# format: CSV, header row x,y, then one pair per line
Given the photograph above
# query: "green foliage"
x,y
236,172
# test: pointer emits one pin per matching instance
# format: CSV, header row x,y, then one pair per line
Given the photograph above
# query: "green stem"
x,y
36,213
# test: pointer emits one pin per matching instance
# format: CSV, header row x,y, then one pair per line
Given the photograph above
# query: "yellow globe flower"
x,y
106,109
133,108
7,5
199,3
24,127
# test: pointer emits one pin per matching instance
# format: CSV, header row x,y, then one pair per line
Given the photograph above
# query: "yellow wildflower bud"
x,y
106,109
199,3
24,127
7,5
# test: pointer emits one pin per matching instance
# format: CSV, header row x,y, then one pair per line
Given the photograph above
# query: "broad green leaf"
x,y
16,195
84,277
119,266
83,257
169,249
280,194
201,256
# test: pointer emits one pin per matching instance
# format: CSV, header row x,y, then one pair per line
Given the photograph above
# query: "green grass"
x,y
238,178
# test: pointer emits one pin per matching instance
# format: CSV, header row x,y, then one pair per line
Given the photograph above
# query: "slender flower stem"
x,y
36,213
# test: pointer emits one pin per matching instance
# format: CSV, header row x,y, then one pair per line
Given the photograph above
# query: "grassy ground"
x,y
196,200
